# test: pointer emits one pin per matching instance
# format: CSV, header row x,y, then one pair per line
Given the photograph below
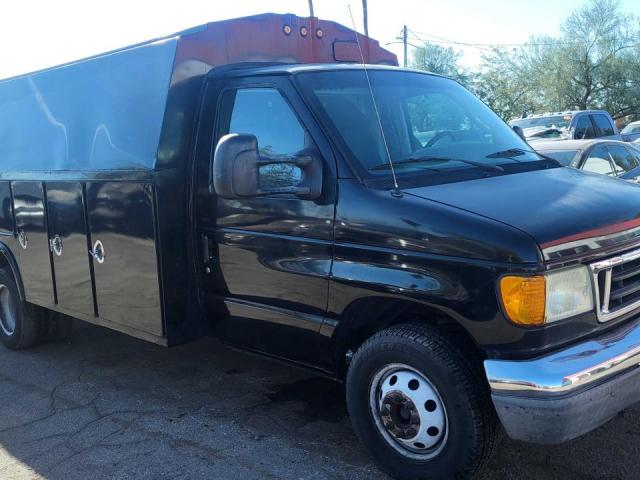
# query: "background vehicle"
x,y
616,159
631,133
251,180
569,125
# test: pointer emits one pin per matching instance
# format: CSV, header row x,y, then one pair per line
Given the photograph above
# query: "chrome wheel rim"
x,y
408,412
7,311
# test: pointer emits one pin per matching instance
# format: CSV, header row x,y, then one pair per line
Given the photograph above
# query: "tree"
x,y
514,82
595,63
597,48
441,60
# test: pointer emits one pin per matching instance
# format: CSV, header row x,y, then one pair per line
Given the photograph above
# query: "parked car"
x,y
569,125
631,133
608,157
251,180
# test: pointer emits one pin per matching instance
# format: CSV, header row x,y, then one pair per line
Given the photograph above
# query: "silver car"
x,y
631,133
608,157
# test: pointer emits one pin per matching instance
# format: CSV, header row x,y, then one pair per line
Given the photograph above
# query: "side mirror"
x,y
520,132
240,172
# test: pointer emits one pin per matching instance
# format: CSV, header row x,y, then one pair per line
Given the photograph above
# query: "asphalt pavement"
x,y
102,405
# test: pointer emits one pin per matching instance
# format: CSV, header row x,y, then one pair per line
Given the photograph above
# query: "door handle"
x,y
209,261
97,252
22,239
55,244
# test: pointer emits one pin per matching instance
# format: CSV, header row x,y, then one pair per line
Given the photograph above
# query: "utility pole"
x,y
405,34
311,8
365,17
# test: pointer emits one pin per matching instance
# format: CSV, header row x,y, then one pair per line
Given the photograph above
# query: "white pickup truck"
x,y
569,125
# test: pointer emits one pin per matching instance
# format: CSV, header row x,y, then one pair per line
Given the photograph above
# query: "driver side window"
x,y
265,113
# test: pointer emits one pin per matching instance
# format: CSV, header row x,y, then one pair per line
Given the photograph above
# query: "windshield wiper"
x,y
511,153
425,159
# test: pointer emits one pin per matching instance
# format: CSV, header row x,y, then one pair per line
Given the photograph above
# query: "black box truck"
x,y
253,179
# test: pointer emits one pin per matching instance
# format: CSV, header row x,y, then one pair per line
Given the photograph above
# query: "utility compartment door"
x,y
69,247
123,240
33,242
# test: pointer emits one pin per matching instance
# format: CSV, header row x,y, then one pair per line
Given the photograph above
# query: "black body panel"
x,y
550,205
66,214
34,256
121,216
444,258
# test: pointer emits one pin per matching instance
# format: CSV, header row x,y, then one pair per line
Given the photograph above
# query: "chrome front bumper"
x,y
566,394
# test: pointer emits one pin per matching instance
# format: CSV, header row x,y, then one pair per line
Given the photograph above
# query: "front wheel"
x,y
419,405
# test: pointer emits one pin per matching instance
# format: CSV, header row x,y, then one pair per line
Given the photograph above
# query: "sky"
x,y
36,34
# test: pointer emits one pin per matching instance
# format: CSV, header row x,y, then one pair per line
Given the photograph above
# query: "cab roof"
x,y
244,69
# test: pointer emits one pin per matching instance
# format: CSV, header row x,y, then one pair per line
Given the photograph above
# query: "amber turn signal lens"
x,y
524,299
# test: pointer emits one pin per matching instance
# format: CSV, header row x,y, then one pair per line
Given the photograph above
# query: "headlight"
x,y
542,299
569,293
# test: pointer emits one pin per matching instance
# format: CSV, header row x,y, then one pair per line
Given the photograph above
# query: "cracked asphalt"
x,y
102,405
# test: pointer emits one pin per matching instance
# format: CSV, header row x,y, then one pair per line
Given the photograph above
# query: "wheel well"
x,y
4,261
7,260
367,316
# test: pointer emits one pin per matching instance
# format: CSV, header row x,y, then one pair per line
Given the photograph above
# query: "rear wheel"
x,y
18,322
419,405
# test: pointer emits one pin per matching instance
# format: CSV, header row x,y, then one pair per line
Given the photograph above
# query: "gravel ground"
x,y
105,406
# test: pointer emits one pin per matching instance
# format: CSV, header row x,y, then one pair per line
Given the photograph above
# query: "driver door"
x,y
265,261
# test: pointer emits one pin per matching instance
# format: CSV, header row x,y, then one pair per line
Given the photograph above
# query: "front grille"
x,y
625,284
617,285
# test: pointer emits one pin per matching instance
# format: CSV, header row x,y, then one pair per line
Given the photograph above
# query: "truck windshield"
x,y
431,124
554,121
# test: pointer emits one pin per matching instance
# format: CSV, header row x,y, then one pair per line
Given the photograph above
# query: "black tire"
x,y
18,321
470,418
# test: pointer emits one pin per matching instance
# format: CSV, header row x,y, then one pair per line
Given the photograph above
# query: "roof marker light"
x,y
287,30
319,33
304,31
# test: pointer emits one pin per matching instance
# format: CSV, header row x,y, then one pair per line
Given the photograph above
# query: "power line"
x,y
436,39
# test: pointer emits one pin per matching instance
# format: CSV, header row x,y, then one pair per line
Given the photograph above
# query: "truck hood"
x,y
559,206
